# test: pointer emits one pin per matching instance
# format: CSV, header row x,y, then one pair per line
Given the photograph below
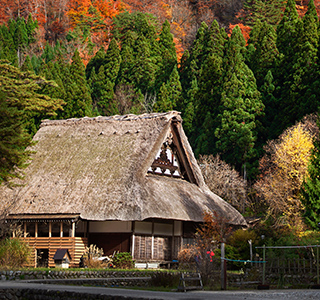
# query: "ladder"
x,y
190,282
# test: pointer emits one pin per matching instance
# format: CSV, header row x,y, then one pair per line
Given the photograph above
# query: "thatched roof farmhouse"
x,y
115,181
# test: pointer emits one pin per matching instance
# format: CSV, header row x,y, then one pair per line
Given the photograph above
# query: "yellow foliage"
x,y
285,166
292,154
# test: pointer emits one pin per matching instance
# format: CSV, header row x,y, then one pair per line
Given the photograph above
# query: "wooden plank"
x,y
75,246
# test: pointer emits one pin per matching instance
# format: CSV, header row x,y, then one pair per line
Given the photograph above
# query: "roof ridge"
x,y
128,117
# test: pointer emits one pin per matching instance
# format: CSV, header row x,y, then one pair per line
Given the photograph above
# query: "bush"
x,y
123,260
90,257
14,253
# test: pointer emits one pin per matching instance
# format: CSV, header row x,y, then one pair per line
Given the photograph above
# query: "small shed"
x,y
62,258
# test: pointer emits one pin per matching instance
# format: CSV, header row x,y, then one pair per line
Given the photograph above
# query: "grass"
x,y
100,270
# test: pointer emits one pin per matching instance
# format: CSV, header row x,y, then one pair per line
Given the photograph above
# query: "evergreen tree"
x,y
48,53
112,61
7,48
102,93
14,139
31,26
269,126
20,101
145,67
189,91
170,93
168,55
286,30
27,65
139,24
240,105
137,33
208,97
198,49
22,33
189,109
51,71
78,98
297,41
305,96
127,61
262,53
269,11
96,61
310,191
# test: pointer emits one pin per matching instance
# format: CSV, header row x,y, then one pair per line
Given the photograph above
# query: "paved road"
x,y
194,295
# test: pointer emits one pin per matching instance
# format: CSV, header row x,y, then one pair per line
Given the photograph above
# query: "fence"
x,y
291,267
280,265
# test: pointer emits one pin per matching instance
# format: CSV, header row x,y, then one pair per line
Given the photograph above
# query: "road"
x,y
194,295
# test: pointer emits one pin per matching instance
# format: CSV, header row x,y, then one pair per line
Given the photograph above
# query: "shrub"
x,y
123,260
14,253
91,255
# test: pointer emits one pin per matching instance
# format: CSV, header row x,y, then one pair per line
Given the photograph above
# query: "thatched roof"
x,y
98,168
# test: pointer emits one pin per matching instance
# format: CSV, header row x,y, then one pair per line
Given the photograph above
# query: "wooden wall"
x,y
156,248
75,245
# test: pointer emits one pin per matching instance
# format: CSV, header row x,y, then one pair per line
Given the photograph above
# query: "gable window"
x,y
166,162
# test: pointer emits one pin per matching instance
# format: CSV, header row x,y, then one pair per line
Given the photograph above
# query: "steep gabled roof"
x,y
98,168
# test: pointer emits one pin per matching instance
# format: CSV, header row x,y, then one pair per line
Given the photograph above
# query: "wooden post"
x,y
35,229
50,229
73,229
317,265
133,239
172,243
251,254
264,265
152,240
25,229
223,268
61,229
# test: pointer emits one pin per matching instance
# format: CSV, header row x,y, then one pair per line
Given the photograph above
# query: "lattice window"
x,y
166,162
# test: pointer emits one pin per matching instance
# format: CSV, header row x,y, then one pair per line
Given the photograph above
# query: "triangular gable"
x,y
171,160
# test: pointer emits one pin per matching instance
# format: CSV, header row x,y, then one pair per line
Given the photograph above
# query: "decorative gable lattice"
x,y
167,161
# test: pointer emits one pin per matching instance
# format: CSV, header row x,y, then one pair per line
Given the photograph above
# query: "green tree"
x,y
112,61
27,65
296,74
22,32
168,55
103,94
208,97
145,67
141,61
262,53
7,48
170,93
305,70
240,105
96,61
78,98
310,190
269,11
19,101
13,141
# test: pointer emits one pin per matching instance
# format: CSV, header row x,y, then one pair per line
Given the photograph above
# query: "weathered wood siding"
x,y
161,251
75,245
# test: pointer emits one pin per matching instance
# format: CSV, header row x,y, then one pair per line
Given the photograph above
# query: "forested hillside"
x,y
240,73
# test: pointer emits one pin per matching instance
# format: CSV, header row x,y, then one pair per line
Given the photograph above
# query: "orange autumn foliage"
x,y
245,30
